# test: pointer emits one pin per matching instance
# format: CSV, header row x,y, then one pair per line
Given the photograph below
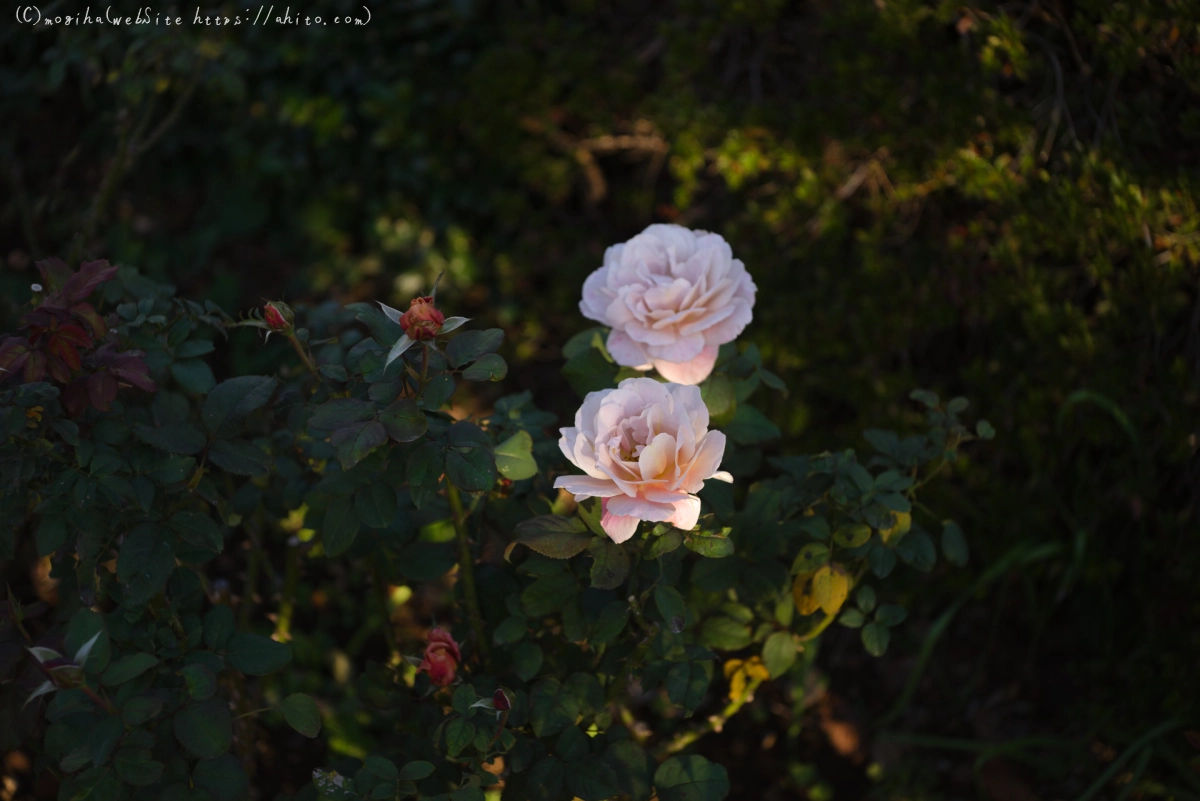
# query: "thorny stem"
x,y
466,569
713,724
103,703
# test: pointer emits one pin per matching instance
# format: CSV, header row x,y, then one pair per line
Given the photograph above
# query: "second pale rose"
x,y
646,450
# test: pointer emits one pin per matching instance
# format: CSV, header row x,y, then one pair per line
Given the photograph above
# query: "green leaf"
x,y
333,786
779,653
404,421
671,606
954,544
470,345
812,556
527,660
865,598
415,771
302,714
221,779
551,709
718,395
134,766
201,682
612,621
691,778
725,633
256,655
553,535
88,626
240,457
891,614
423,470
179,438
882,561
126,668
549,594
339,412
384,330
198,529
633,767
610,565
141,709
875,638
916,549
852,618
472,470
339,526
204,728
219,627
589,371
376,505
459,734
511,630
984,430
546,779
144,564
355,441
924,396
438,391
381,767
664,543
194,375
52,534
713,544
751,427
230,402
514,457
490,367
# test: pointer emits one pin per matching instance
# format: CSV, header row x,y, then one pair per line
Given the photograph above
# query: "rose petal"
x,y
690,372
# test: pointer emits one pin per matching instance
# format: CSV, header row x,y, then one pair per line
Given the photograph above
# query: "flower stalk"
x,y
466,569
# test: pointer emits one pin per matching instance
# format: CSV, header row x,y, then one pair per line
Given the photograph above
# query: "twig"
x,y
713,724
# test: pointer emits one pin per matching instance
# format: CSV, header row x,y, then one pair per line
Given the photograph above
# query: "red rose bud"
x,y
278,316
422,320
501,701
441,657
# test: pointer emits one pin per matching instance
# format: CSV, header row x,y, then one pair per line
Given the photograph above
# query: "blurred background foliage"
x,y
996,200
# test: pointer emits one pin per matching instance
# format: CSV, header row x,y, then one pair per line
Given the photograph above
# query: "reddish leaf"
x,y
91,275
57,369
85,312
55,274
102,390
35,367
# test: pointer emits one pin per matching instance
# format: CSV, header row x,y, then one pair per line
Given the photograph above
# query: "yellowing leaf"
x,y
830,587
901,527
806,602
742,672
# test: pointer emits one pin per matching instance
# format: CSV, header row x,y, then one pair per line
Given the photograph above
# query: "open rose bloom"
x,y
646,450
441,657
672,296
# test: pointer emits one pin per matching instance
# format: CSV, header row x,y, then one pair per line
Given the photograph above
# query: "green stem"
x,y
466,569
287,600
713,724
389,633
304,357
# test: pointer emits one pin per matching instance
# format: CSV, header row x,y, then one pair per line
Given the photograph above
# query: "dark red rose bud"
x,y
501,701
278,316
422,320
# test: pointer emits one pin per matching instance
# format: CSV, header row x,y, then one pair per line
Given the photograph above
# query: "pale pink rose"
x,y
672,296
646,450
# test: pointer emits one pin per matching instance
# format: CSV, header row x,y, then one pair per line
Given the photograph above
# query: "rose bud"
x,y
278,315
441,657
422,320
501,701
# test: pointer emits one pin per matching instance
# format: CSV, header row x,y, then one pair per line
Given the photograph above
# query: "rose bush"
x,y
268,551
672,297
646,450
